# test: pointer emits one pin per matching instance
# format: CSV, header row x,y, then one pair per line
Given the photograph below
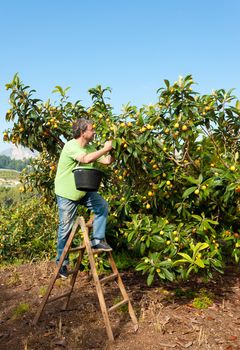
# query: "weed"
x,y
203,300
42,291
14,279
58,282
124,260
20,310
122,309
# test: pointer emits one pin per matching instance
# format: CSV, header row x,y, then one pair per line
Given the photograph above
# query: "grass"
x,y
121,309
20,310
42,291
184,293
124,260
9,174
15,262
14,279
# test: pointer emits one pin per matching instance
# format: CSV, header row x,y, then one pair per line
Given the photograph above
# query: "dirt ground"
x,y
166,313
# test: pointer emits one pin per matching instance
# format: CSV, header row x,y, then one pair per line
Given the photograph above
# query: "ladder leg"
x,y
102,301
123,291
55,276
73,279
96,280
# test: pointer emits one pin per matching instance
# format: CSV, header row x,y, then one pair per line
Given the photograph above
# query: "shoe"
x,y
63,272
102,246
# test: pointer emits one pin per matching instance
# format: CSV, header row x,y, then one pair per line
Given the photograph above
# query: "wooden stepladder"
x,y
115,276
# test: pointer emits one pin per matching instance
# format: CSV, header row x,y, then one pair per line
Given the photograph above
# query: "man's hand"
x,y
107,160
108,146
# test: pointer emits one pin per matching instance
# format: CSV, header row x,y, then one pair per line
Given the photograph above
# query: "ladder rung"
x,y
81,247
58,297
124,301
108,278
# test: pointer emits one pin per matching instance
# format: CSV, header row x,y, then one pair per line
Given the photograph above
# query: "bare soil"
x,y
167,317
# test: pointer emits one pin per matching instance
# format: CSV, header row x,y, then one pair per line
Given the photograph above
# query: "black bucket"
x,y
87,179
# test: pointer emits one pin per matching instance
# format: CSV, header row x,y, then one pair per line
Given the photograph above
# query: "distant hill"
x,y
18,152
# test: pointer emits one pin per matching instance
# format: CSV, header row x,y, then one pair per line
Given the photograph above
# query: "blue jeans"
x,y
67,210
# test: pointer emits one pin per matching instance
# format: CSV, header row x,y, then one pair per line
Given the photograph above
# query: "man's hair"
x,y
79,126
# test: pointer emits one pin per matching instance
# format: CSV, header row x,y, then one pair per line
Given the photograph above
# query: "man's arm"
x,y
93,156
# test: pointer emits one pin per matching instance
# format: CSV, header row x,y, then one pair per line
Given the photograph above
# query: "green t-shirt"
x,y
64,180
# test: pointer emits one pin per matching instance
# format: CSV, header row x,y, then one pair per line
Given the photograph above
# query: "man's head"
x,y
83,127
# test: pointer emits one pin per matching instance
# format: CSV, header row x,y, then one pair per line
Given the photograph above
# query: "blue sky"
x,y
129,45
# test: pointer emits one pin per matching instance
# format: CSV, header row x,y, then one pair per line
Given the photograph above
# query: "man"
x,y
79,151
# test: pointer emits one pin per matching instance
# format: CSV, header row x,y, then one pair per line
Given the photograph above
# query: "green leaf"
x,y
130,236
200,178
141,267
186,257
180,261
165,263
148,243
142,248
167,83
157,239
238,105
150,279
168,274
58,89
212,222
199,218
200,246
192,180
114,143
188,191
189,270
216,263
200,263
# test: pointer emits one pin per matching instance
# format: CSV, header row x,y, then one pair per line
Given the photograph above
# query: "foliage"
x,y
27,231
12,195
8,163
174,187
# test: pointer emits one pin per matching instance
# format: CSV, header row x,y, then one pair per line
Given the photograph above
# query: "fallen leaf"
x,y
233,338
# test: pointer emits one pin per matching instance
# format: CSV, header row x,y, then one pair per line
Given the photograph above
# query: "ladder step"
x,y
111,277
58,297
76,249
114,307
